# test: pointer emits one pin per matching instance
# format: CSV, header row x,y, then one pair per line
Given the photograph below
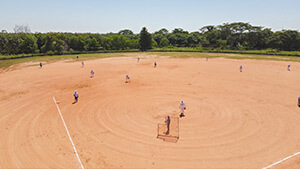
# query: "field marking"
x,y
68,134
281,160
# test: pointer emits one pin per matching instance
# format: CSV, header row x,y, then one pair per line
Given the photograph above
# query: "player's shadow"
x,y
74,102
168,139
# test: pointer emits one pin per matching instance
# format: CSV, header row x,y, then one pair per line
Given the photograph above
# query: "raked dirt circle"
x,y
233,119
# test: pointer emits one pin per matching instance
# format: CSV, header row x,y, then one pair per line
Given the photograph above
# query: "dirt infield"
x,y
233,119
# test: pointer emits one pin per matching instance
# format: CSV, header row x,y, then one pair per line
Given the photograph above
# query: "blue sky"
x,y
104,16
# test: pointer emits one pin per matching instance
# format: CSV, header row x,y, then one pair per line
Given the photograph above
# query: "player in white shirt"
x,y
182,108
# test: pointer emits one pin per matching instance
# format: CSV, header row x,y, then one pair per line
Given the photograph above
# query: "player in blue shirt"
x,y
76,96
127,79
92,73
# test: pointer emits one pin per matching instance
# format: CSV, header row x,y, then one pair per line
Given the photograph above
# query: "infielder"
x,y
82,64
206,58
92,73
127,79
155,64
41,65
241,68
182,108
138,59
76,96
288,68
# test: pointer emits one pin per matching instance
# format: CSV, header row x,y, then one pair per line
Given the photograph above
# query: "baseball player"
x,y
92,73
76,96
77,57
241,68
127,79
138,59
182,108
82,64
155,64
41,65
206,58
288,68
168,125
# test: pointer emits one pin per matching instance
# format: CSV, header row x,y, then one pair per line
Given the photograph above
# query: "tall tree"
x,y
22,29
125,32
27,44
145,39
93,44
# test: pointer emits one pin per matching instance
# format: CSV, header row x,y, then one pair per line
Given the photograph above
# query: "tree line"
x,y
233,36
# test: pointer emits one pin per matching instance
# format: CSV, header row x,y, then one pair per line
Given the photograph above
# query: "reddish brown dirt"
x,y
233,119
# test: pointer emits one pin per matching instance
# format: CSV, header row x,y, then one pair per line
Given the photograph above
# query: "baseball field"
x,y
233,119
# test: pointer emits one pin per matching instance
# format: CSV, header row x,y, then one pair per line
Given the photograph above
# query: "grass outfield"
x,y
5,63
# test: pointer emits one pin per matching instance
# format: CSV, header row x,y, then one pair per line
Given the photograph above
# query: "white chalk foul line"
x,y
281,160
68,134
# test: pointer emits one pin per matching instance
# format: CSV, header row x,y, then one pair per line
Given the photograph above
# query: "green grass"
x,y
47,59
227,56
82,57
199,49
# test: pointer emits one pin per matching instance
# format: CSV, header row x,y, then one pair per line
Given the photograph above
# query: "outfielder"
x,y
182,108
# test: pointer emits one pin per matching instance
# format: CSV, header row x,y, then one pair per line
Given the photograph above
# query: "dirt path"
x,y
233,119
